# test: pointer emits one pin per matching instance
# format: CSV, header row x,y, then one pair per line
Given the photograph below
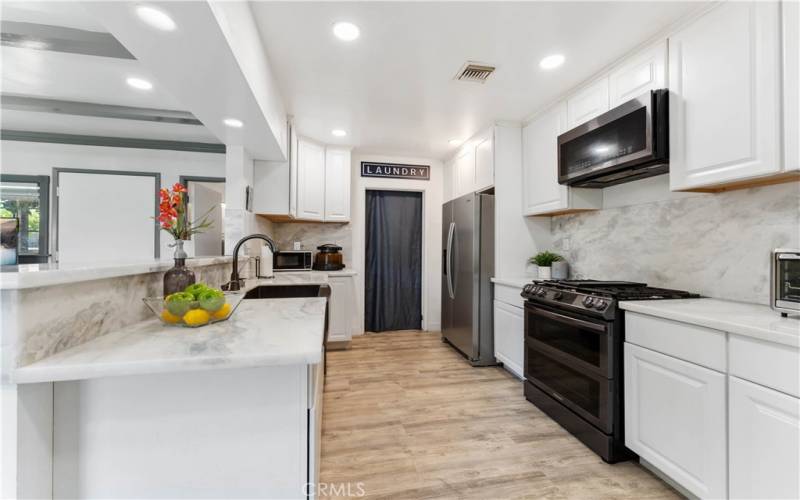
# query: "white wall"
x,y
34,158
432,234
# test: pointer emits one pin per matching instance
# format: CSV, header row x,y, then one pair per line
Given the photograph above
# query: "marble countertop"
x,y
38,275
516,281
261,332
751,320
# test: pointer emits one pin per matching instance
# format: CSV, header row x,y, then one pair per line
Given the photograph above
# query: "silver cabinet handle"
x,y
449,262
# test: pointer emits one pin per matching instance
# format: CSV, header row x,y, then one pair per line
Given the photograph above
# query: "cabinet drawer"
x,y
508,294
766,363
696,344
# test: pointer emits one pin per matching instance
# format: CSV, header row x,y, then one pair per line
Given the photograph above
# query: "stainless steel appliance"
x,y
329,258
467,267
785,286
574,333
291,260
626,143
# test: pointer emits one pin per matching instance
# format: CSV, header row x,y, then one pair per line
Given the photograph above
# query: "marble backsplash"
x,y
313,234
717,245
51,319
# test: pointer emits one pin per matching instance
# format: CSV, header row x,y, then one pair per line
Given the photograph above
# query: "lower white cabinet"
x,y
342,308
509,336
764,430
675,419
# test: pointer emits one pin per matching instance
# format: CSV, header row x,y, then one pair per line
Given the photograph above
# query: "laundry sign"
x,y
395,171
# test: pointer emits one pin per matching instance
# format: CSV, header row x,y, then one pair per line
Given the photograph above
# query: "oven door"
x,y
570,357
786,280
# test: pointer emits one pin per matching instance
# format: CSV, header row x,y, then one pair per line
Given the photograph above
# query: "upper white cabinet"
x,y
790,15
764,430
464,171
587,103
337,185
726,101
310,181
484,163
542,193
638,74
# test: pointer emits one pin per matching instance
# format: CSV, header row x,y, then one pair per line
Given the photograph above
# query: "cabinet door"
x,y
764,430
484,163
509,335
465,171
675,419
790,15
337,185
639,74
587,103
725,102
340,308
543,193
310,181
293,154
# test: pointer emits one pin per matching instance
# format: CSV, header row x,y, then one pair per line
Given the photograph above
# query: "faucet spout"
x,y
235,283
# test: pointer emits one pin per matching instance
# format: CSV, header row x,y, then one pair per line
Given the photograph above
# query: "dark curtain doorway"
x,y
393,295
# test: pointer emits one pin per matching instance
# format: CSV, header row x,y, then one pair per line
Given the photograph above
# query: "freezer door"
x,y
462,333
447,295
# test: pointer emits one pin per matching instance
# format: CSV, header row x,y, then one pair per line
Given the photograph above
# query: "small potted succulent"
x,y
544,260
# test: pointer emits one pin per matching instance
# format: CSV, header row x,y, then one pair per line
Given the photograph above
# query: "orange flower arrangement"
x,y
172,216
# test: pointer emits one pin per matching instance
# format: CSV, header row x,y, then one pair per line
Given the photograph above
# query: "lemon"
x,y
222,312
169,317
196,317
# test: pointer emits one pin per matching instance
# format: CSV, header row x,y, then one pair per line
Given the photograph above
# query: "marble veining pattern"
x,y
260,333
717,245
312,235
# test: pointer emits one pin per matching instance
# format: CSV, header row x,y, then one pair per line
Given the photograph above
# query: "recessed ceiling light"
x,y
454,142
346,31
337,132
552,61
139,83
156,18
233,122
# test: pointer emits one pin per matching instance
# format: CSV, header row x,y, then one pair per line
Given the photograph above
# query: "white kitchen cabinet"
x,y
542,193
790,17
725,100
587,103
337,185
341,309
509,336
675,419
638,74
464,171
484,163
764,430
310,181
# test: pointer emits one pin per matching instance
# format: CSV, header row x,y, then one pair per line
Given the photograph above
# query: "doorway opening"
x,y
205,196
393,261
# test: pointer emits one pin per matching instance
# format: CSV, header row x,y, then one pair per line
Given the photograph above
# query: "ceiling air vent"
x,y
474,72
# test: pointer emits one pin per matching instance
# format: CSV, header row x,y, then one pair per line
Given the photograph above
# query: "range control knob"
x,y
588,301
600,304
527,289
541,292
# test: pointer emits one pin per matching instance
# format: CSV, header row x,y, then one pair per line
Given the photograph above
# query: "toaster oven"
x,y
785,289
291,260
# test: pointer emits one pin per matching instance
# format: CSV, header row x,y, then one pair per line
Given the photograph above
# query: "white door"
x,y
725,102
764,442
509,337
587,103
337,185
465,171
341,308
675,419
484,163
639,74
204,199
106,217
543,193
310,181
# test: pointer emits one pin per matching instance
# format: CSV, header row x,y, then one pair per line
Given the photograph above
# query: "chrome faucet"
x,y
235,283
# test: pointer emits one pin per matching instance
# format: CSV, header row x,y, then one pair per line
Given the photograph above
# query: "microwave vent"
x,y
474,72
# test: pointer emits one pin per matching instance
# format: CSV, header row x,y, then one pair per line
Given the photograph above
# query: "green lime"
x,y
211,300
178,303
196,289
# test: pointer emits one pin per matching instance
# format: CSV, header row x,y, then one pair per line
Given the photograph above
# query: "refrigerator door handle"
x,y
449,261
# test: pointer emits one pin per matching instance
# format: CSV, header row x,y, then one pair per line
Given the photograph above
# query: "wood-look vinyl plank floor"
x,y
407,417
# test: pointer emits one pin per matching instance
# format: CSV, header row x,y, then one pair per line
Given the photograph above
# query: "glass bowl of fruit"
x,y
197,305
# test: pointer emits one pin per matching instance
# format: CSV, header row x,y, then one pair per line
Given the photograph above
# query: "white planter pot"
x,y
544,272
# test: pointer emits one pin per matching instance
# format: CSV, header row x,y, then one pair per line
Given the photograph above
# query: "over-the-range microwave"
x,y
626,143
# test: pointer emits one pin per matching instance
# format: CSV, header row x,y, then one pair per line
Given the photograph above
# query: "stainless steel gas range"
x,y
574,333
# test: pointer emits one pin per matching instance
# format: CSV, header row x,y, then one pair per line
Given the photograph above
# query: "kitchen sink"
x,y
288,291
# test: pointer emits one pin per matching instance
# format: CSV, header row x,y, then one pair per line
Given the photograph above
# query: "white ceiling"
x,y
393,88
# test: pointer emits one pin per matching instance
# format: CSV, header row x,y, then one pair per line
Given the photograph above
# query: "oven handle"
x,y
570,320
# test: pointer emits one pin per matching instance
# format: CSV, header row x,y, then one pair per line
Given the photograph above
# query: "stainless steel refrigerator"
x,y
467,267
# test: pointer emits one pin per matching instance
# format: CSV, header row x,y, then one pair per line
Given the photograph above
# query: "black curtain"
x,y
393,261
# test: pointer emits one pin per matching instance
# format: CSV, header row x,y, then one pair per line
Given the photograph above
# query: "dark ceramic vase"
x,y
179,276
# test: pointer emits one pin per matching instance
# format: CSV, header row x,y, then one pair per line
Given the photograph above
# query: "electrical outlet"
x,y
566,244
